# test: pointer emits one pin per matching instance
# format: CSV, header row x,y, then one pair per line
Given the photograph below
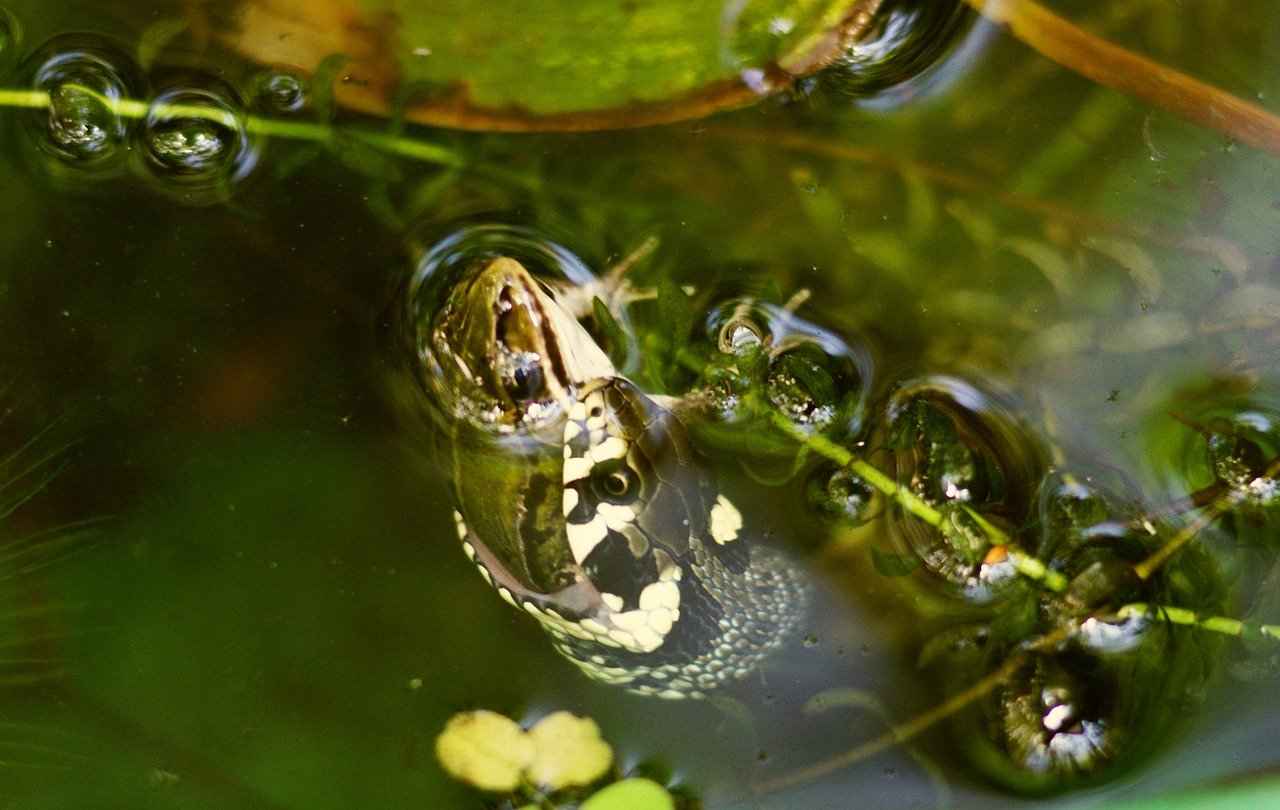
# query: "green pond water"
x,y
236,581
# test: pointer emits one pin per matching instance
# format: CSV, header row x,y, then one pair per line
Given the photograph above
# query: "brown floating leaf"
x,y
557,64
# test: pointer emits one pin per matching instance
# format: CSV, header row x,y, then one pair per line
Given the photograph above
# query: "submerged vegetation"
x,y
988,346
34,623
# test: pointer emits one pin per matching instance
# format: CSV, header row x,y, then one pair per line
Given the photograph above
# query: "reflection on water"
x,y
997,371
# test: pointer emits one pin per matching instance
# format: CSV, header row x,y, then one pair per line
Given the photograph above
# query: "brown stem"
x,y
1112,66
1212,512
913,727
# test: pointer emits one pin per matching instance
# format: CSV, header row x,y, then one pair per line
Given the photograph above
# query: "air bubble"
x,y
904,40
768,43
1054,717
91,86
1224,439
1073,505
962,451
195,142
807,375
840,495
281,91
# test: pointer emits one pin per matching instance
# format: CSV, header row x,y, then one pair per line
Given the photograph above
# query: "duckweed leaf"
x,y
323,82
615,338
485,750
675,311
567,752
157,37
631,794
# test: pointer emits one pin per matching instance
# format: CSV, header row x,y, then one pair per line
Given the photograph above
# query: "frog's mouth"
x,y
515,349
527,360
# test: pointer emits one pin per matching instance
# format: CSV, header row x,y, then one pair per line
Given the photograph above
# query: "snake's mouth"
x,y
582,610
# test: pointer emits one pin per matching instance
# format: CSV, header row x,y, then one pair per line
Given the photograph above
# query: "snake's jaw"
x,y
668,597
581,610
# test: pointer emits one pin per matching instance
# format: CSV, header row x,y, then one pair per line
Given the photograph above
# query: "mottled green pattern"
x,y
276,613
559,56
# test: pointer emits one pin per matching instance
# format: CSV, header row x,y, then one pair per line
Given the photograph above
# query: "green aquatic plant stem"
x,y
1189,618
1186,534
312,131
25,99
1026,564
1110,65
1191,531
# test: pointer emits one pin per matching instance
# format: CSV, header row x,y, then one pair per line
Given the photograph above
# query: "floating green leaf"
x,y
559,64
631,794
614,336
492,752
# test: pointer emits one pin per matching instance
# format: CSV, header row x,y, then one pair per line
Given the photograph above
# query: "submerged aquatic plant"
x,y
820,401
32,623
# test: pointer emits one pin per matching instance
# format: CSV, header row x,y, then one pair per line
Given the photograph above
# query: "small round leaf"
x,y
631,794
485,750
568,752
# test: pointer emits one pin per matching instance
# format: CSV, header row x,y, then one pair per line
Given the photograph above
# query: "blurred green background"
x,y
270,609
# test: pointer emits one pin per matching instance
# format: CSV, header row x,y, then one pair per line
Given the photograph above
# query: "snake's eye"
x,y
616,484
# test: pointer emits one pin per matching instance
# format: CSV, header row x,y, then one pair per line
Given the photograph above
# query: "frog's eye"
x,y
526,382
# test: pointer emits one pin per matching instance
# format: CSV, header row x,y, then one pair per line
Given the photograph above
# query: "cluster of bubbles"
x,y
808,374
976,490
187,133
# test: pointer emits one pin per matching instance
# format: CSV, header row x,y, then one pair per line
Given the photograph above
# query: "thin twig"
x,y
1112,66
918,724
1212,512
1160,556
